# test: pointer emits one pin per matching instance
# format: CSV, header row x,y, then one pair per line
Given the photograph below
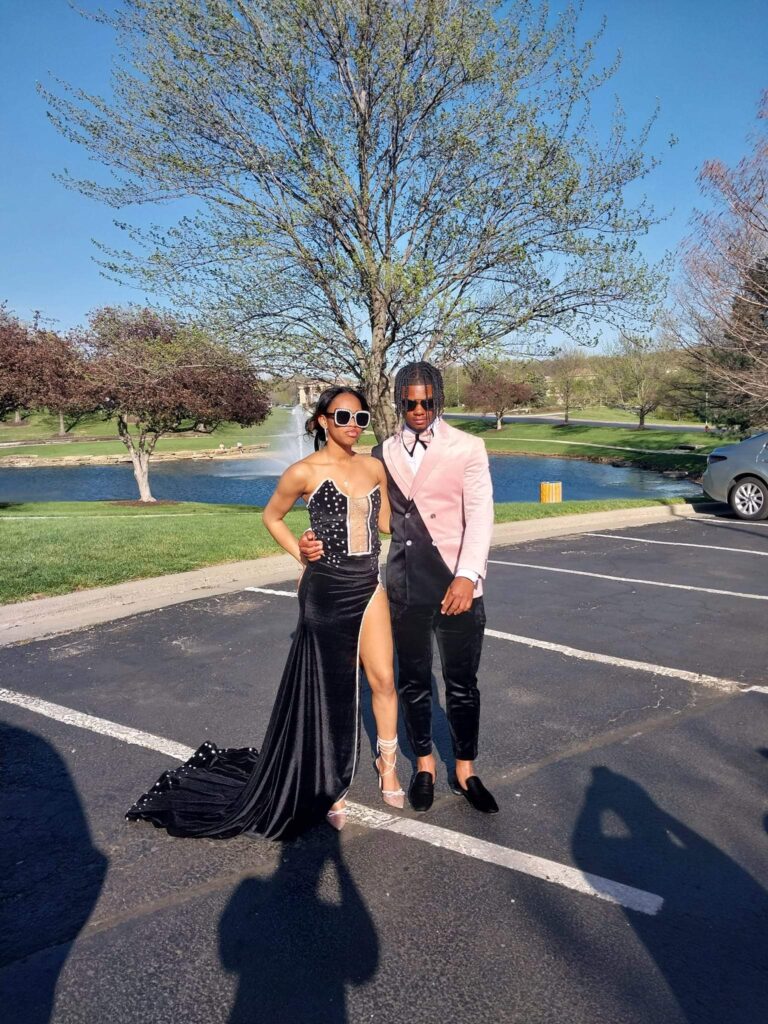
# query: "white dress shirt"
x,y
414,462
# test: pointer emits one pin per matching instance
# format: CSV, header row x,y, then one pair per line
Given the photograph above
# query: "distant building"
x,y
308,390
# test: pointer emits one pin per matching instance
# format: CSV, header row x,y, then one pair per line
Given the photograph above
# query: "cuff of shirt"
x,y
469,574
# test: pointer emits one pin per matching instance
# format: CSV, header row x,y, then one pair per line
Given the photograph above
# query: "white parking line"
x,y
491,853
725,523
727,685
629,579
100,725
699,678
677,544
276,593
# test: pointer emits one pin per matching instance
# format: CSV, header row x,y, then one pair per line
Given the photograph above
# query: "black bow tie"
x,y
423,438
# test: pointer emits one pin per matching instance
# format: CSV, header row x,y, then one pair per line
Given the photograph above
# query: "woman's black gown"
x,y
311,747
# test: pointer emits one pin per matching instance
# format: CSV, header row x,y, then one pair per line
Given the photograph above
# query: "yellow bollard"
x,y
550,491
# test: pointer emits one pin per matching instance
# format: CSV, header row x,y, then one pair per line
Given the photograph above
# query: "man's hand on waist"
x,y
458,597
309,547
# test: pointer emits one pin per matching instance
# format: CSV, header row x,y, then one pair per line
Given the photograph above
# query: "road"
x,y
624,733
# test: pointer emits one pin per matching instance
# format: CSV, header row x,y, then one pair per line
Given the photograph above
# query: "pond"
x,y
243,481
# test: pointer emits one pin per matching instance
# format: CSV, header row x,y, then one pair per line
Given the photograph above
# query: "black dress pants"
x,y
459,641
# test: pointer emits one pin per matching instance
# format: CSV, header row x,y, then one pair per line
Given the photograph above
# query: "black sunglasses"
x,y
342,417
412,404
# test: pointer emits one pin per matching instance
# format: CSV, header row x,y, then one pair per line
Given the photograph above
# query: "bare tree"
x,y
158,377
721,319
377,180
639,373
567,371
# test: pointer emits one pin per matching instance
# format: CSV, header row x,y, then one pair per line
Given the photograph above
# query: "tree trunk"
x,y
139,456
383,419
379,393
499,418
62,427
141,473
17,416
641,420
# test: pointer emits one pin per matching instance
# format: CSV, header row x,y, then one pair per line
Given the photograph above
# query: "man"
x,y
440,492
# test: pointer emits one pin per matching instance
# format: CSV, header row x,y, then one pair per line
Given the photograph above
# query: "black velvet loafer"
x,y
476,794
422,791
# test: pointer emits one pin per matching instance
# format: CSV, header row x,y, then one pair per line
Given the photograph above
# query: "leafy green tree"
x,y
377,180
456,379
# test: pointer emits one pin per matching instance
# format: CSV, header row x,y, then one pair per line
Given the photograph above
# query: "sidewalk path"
x,y
47,616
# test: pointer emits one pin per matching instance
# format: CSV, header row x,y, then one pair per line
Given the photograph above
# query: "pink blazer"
x,y
453,493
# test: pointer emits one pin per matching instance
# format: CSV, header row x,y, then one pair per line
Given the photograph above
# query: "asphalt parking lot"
x,y
624,734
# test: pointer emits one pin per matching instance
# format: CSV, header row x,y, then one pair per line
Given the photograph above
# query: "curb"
x,y
49,616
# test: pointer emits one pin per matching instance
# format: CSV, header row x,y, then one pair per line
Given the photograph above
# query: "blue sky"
x,y
704,62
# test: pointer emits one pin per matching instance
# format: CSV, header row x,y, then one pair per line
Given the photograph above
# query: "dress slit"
x,y
311,744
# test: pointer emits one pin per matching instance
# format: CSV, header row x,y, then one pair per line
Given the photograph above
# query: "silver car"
x,y
738,474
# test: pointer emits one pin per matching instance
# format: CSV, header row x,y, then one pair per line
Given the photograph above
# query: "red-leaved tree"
x,y
158,376
63,384
496,388
17,364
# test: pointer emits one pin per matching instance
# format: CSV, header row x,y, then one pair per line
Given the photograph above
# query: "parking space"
x,y
624,733
644,594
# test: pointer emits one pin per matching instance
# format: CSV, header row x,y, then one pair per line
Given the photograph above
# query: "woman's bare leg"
x,y
377,657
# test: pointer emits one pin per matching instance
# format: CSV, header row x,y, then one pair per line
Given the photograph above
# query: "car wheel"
x,y
749,498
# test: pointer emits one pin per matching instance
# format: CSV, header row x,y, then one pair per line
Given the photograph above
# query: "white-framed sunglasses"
x,y
343,417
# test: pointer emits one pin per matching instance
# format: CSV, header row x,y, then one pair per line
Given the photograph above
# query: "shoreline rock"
x,y
248,451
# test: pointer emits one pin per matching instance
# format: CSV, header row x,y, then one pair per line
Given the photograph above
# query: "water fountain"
x,y
291,446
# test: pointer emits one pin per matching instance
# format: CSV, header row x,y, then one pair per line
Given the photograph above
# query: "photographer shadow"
x,y
51,873
708,938
297,940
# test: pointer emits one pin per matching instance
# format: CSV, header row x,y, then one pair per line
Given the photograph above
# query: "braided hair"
x,y
419,373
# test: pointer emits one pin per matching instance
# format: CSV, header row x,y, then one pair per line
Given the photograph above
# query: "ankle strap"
x,y
386,745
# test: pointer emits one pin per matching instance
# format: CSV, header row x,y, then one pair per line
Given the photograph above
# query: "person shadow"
x,y
708,938
764,752
51,874
297,940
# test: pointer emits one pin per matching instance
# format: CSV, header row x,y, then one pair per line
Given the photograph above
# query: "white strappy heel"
x,y
337,819
386,749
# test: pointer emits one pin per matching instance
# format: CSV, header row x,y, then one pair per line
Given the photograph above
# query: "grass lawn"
x,y
93,544
603,412
517,511
44,427
596,443
67,546
591,412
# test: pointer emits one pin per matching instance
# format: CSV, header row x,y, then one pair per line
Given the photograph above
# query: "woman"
x,y
310,750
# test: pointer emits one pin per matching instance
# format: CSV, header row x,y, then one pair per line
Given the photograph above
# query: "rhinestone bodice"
x,y
347,526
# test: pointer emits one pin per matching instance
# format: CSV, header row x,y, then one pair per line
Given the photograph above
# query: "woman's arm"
x,y
290,487
385,513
